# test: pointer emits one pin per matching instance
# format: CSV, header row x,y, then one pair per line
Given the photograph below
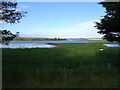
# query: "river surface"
x,y
42,44
112,45
62,41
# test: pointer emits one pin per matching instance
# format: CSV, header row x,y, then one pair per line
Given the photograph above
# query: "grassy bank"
x,y
68,66
36,39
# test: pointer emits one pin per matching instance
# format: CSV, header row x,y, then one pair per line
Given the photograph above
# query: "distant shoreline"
x,y
36,39
50,39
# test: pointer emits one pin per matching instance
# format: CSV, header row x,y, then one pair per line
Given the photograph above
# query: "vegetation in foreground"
x,y
68,66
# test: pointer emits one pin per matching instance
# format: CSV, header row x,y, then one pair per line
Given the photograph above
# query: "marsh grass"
x,y
68,66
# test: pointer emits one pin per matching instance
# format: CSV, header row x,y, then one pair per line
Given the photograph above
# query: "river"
x,y
42,44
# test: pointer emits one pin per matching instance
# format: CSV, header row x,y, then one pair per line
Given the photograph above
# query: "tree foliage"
x,y
7,36
9,14
109,26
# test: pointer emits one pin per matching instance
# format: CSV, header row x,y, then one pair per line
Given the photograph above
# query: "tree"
x,y
109,26
7,36
9,14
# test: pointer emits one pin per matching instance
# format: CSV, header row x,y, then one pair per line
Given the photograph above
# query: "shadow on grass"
x,y
72,67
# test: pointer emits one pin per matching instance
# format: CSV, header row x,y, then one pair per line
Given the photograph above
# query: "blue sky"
x,y
58,19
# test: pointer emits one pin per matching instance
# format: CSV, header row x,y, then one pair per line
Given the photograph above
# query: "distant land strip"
x,y
95,39
43,39
36,39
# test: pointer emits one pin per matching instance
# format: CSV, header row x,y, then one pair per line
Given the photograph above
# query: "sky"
x,y
58,19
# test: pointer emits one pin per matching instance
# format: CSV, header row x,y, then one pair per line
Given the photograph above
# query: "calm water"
x,y
40,44
112,45
65,41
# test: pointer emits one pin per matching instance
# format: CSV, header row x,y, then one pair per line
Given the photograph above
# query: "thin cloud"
x,y
24,6
80,30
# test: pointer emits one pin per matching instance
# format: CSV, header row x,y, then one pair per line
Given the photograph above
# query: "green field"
x,y
67,66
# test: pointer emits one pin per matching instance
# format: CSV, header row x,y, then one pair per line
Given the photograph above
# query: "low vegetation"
x,y
42,39
36,39
68,66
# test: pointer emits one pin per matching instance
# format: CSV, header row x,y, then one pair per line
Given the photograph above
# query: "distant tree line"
x,y
37,39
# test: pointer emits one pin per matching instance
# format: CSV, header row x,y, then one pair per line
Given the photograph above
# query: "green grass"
x,y
68,66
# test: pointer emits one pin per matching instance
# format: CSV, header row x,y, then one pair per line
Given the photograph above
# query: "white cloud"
x,y
24,6
80,30
2,24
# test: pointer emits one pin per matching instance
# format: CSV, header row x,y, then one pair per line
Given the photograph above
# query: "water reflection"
x,y
41,44
27,45
112,45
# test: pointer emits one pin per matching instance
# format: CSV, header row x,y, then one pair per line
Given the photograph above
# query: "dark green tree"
x,y
7,36
9,14
109,26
